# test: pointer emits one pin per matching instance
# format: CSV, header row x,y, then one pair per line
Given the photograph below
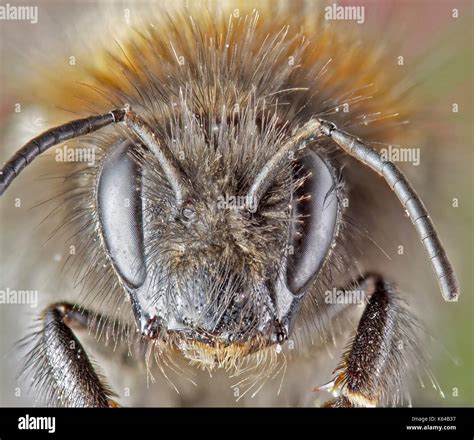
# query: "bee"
x,y
217,214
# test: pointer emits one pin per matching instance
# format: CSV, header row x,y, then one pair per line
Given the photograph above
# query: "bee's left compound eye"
x,y
314,213
120,214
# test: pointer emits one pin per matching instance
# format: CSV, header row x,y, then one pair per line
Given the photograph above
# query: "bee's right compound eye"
x,y
120,213
315,212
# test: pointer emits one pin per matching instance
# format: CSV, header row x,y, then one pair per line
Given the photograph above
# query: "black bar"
x,y
147,422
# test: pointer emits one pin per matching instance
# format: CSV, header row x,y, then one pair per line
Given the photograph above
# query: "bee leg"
x,y
371,372
60,368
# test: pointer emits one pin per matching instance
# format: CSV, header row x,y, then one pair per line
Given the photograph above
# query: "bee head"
x,y
218,257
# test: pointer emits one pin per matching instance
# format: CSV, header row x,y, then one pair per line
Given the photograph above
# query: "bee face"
x,y
218,268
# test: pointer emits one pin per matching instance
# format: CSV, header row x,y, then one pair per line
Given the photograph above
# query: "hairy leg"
x,y
61,370
372,370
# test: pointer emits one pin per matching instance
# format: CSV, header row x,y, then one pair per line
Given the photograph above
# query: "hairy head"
x,y
214,267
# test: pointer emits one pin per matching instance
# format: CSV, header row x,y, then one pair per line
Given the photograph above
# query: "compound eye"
x,y
120,214
314,214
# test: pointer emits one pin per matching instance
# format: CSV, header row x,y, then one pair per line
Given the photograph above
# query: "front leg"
x,y
60,368
373,369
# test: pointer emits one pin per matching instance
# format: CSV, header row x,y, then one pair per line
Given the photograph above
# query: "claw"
x,y
329,387
333,387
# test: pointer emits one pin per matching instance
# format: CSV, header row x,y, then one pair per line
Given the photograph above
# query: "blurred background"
x,y
437,42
